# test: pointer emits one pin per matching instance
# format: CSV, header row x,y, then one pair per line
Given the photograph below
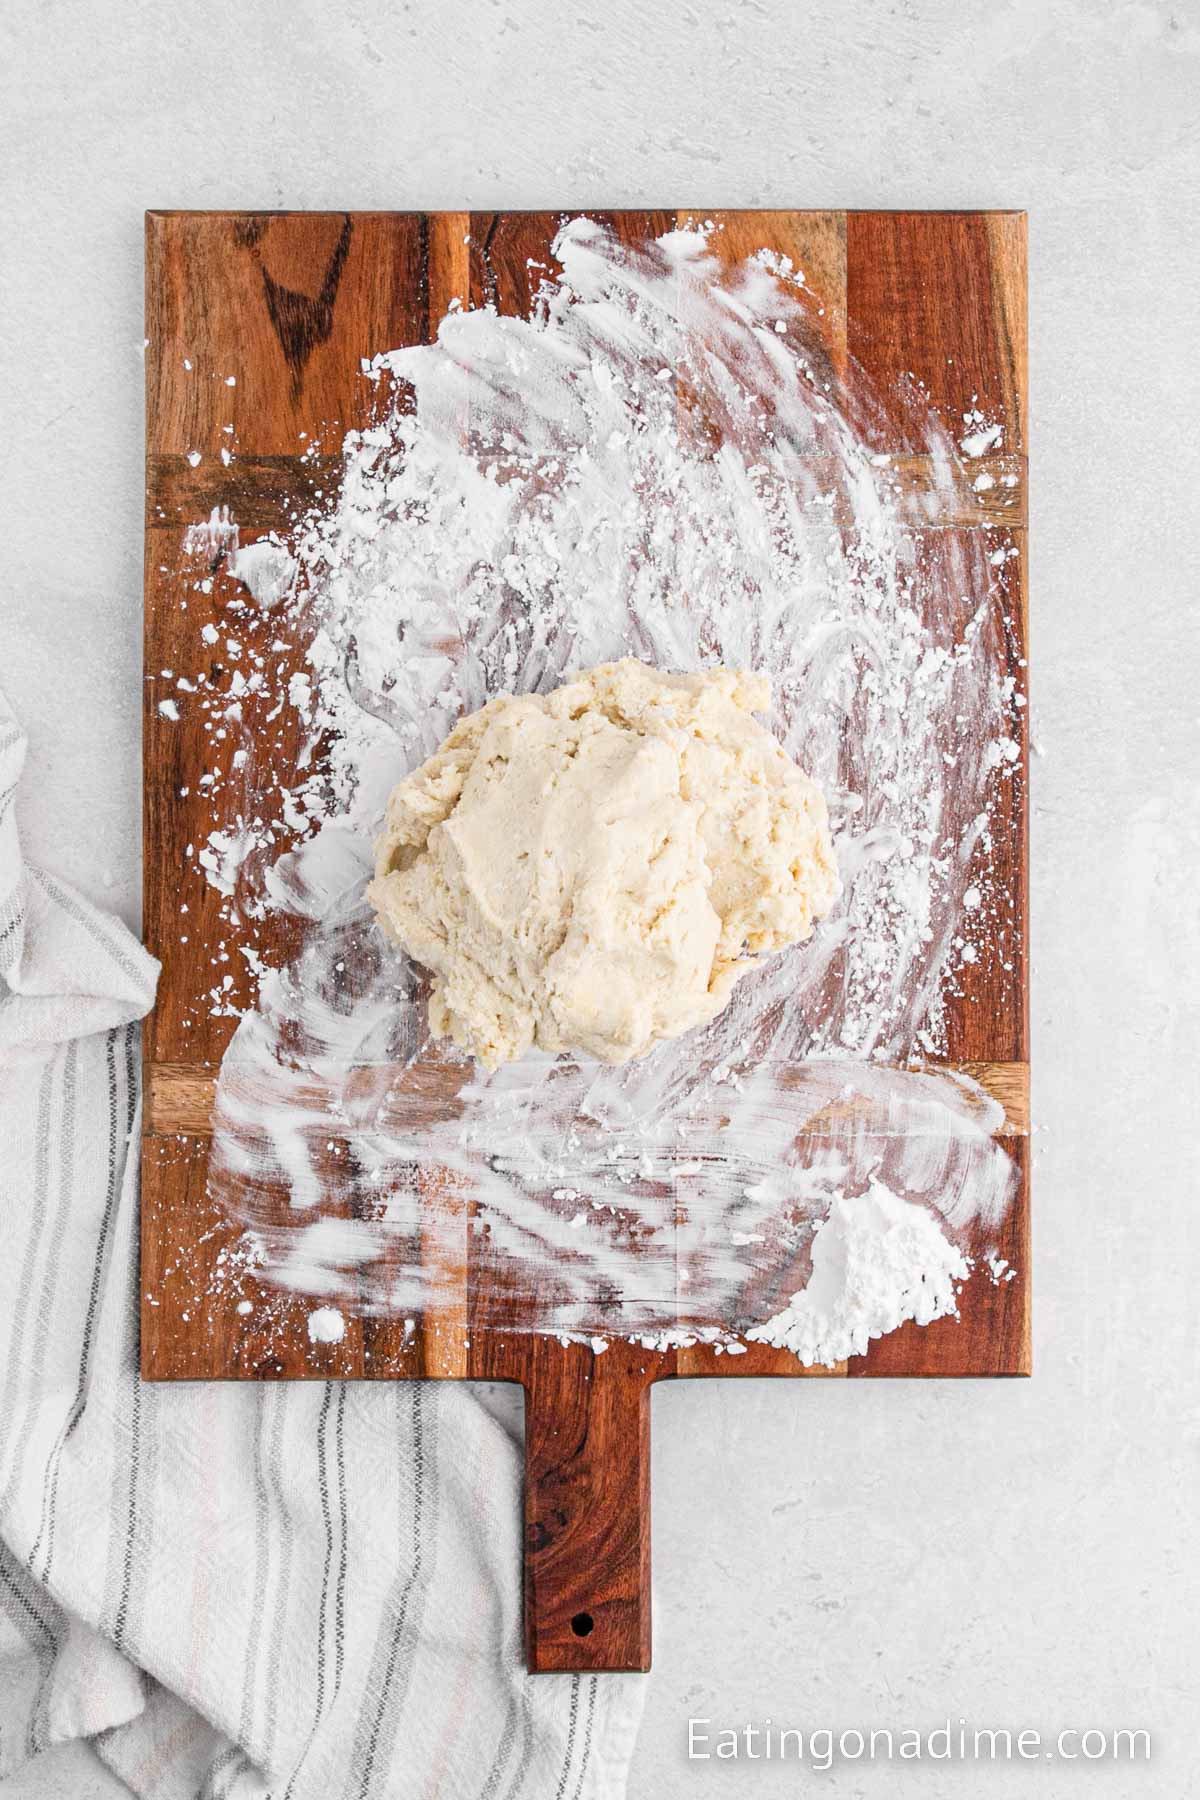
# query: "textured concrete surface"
x,y
1020,1555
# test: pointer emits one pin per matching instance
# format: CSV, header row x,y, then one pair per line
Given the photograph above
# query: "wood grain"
x,y
257,324
179,1097
939,299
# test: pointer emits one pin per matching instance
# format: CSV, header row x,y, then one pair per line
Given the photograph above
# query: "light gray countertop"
x,y
1018,1554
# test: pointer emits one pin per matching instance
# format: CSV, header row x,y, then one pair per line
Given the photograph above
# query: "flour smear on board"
x,y
660,461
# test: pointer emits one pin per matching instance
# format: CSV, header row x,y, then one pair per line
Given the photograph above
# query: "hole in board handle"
x,y
582,1624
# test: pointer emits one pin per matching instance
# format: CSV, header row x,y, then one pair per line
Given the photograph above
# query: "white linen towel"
x,y
234,1591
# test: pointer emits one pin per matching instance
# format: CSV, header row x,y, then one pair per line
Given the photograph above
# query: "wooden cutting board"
x,y
288,304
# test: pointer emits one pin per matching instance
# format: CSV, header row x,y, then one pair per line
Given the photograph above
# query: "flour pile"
x,y
877,1261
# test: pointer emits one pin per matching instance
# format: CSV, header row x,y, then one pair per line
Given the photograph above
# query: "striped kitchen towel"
x,y
223,1591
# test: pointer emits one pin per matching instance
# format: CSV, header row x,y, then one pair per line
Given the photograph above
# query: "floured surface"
x,y
658,461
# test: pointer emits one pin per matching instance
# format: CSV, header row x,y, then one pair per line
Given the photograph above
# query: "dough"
x,y
595,867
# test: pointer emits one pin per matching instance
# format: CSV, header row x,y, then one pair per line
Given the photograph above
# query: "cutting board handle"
x,y
587,1507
